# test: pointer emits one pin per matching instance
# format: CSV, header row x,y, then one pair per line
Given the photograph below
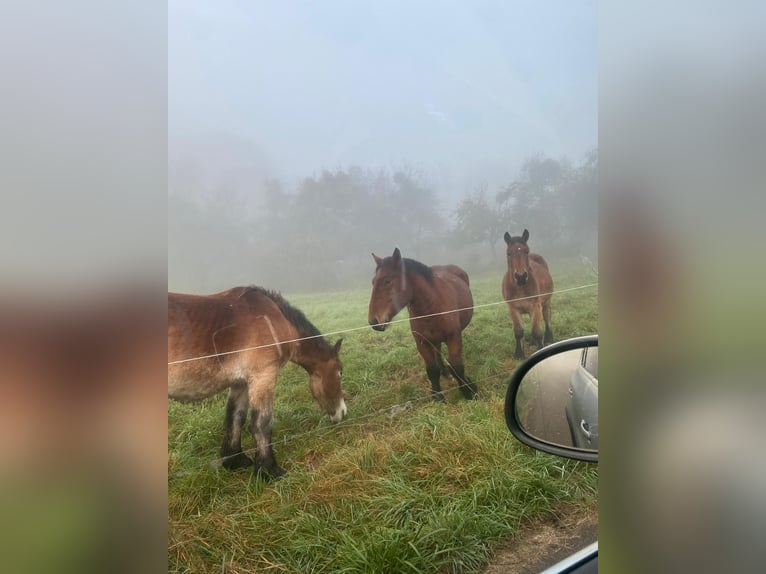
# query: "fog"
x,y
303,136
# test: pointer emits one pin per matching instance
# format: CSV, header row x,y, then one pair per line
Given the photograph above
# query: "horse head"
x,y
324,382
390,290
517,252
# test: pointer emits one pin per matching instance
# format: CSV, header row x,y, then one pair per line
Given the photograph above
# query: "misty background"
x,y
303,136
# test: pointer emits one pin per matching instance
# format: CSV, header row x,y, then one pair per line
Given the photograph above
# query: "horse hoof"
x,y
437,397
269,474
235,462
518,356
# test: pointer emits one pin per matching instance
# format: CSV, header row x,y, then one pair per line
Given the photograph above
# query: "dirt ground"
x,y
543,544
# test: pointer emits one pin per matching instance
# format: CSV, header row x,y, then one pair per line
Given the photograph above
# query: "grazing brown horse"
x,y
245,336
527,287
432,296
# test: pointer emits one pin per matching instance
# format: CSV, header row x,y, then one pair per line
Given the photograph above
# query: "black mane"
x,y
411,266
305,327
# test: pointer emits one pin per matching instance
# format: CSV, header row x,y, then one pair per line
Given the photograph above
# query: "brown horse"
x,y
440,305
240,339
527,288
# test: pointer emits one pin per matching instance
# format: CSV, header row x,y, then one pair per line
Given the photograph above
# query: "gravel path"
x,y
543,544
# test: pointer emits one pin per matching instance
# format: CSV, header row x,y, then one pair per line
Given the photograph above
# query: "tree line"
x,y
320,235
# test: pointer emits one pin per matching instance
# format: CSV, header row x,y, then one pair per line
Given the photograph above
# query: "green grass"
x,y
418,487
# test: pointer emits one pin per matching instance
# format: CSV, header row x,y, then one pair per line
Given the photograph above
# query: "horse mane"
x,y
411,266
305,327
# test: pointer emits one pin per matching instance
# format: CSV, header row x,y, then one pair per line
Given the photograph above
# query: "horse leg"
x,y
232,456
433,367
466,385
548,339
260,426
261,393
518,332
442,366
537,324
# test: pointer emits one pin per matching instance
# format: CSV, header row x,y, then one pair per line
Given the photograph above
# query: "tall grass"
x,y
403,485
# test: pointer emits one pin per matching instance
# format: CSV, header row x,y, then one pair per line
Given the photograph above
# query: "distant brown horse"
x,y
527,287
432,296
245,336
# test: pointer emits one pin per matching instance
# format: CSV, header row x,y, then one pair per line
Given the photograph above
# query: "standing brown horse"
x,y
527,288
240,339
440,305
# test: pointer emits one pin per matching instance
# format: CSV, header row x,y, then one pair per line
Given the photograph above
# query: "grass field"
x,y
403,485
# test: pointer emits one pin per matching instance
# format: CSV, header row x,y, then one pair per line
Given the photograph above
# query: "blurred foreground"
x,y
83,432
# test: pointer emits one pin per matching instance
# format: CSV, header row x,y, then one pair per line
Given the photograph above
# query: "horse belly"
x,y
520,300
186,385
460,300
465,303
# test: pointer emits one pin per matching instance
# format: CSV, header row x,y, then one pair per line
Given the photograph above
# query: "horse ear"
x,y
525,235
337,346
376,259
397,255
507,237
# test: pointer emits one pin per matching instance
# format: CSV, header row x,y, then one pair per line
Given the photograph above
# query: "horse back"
x,y
541,273
192,321
535,257
456,280
454,270
223,322
213,330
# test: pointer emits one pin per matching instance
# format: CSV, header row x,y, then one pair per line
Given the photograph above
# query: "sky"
x,y
462,91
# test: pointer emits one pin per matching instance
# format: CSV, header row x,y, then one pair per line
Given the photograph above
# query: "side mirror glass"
x,y
552,399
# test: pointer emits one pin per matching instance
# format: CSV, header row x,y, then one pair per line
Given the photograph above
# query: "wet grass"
x,y
403,485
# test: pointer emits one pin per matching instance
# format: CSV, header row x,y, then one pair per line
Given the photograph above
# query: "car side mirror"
x,y
552,399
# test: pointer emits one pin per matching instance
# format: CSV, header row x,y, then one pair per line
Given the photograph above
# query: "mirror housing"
x,y
548,444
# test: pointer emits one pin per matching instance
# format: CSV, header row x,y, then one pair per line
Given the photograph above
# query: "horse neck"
x,y
308,354
531,279
422,294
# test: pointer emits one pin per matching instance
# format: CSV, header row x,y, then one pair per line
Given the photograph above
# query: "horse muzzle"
x,y
521,279
378,326
340,412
